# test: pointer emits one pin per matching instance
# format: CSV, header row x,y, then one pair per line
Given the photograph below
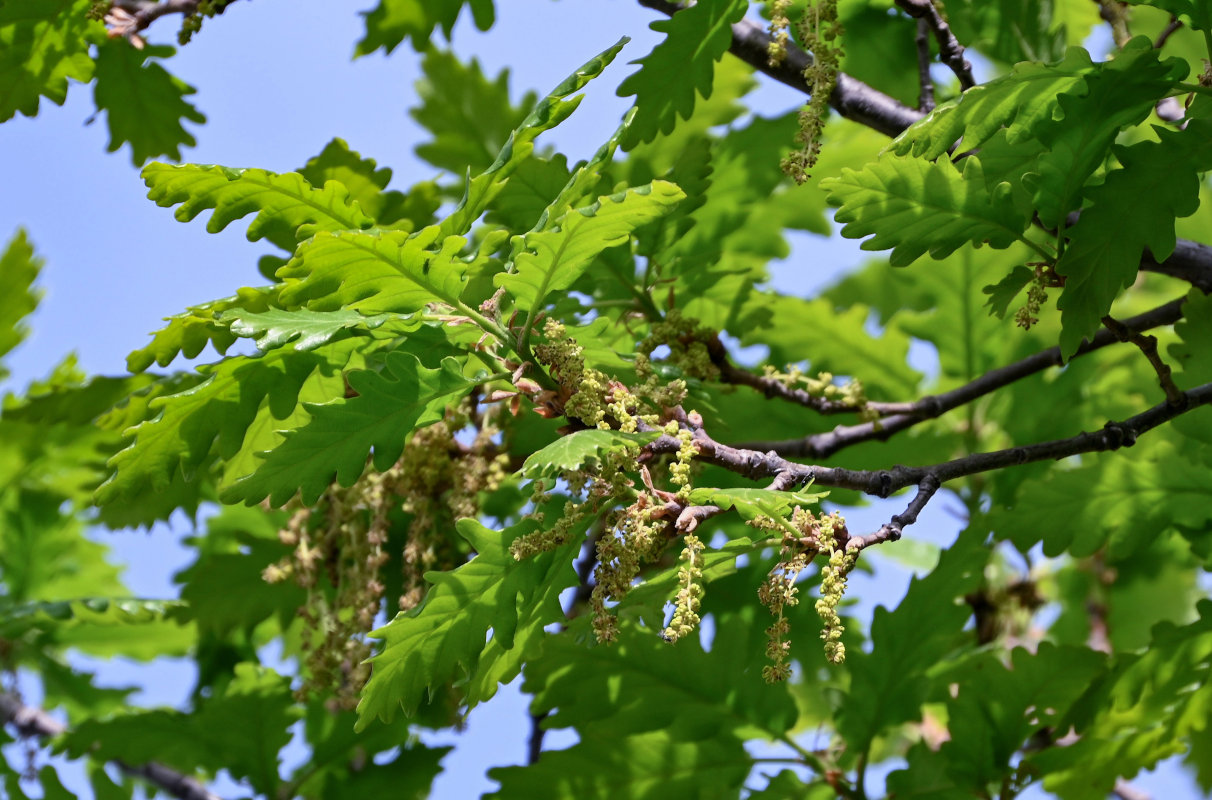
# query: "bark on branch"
x,y
901,416
756,465
36,723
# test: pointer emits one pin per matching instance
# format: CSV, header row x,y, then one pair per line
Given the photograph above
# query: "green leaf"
x,y
1012,30
680,66
1197,13
550,112
43,43
242,731
1016,101
889,683
1194,356
578,449
755,503
1140,715
214,413
16,619
44,554
1121,93
392,21
1002,293
998,708
375,272
443,639
367,183
275,327
224,587
469,116
556,258
1114,502
288,209
144,105
188,333
916,206
645,766
1107,242
19,268
607,688
388,407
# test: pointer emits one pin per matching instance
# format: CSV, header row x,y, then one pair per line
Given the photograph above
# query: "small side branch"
x,y
851,98
950,51
1148,346
925,101
36,723
882,483
891,531
901,416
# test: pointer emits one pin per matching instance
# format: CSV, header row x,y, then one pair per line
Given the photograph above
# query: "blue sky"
x,y
276,83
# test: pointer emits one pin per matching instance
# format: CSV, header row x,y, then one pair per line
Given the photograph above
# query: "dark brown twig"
x,y
950,51
925,101
1148,346
851,98
882,483
891,531
36,723
905,415
1174,24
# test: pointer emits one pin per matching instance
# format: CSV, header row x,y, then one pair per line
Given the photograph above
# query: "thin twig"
x,y
36,723
1174,24
882,483
891,531
851,98
1126,791
1190,262
534,747
925,101
902,416
950,51
1148,346
868,106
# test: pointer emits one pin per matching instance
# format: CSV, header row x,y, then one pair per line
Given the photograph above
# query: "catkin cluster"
x,y
339,544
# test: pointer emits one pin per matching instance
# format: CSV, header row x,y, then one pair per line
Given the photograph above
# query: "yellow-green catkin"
x,y
690,590
820,31
833,587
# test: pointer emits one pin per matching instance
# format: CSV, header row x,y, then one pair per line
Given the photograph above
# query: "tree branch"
x,y
891,532
906,415
950,51
851,98
868,106
36,723
1190,262
1148,346
882,483
925,101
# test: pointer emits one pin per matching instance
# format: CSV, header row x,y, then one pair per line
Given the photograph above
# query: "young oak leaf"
x,y
43,43
388,407
144,104
288,209
1109,238
375,271
308,329
443,639
550,112
187,426
916,206
695,38
578,448
554,259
